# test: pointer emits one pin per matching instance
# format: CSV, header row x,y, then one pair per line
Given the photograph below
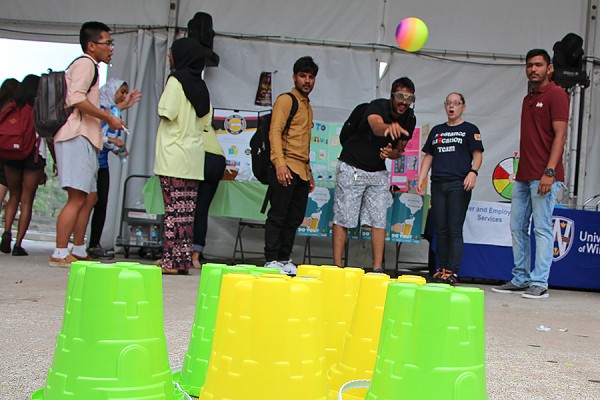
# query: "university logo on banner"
x,y
563,232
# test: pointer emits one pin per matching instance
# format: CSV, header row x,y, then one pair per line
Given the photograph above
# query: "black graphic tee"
x,y
452,148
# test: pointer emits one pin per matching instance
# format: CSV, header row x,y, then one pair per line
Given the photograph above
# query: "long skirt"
x,y
180,203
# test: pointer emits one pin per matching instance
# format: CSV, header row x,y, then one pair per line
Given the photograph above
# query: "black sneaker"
x,y
19,251
509,288
5,243
98,252
536,292
444,275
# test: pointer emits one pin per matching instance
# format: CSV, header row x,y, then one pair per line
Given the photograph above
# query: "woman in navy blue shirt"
x,y
453,152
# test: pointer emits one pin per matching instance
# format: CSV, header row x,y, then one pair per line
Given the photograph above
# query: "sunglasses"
x,y
407,97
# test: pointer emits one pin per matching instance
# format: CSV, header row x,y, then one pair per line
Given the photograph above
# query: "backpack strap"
x,y
266,200
95,71
293,112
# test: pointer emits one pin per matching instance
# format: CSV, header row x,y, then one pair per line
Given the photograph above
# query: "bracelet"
x,y
474,171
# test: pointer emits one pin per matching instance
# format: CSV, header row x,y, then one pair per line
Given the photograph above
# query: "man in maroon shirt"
x,y
544,118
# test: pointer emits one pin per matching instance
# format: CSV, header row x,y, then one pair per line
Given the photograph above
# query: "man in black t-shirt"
x,y
362,180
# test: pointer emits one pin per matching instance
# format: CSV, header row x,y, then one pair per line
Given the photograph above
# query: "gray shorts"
x,y
77,163
361,193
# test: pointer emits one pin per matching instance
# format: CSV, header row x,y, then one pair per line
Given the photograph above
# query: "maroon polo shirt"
x,y
538,112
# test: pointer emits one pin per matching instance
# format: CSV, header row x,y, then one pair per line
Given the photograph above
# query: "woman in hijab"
x,y
184,108
114,98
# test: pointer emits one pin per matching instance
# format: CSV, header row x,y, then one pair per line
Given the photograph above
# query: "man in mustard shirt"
x,y
291,181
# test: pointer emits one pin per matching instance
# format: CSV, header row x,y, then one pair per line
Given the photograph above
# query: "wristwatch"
x,y
550,172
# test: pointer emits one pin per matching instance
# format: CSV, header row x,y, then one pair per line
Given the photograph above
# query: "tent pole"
x,y
590,44
171,31
571,153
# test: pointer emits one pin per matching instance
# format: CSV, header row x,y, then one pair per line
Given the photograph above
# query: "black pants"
x,y
449,203
99,215
288,205
214,167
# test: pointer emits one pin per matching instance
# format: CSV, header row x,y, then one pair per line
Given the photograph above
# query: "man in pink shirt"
x,y
77,143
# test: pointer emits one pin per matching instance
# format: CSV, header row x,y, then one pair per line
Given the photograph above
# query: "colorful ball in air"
x,y
411,34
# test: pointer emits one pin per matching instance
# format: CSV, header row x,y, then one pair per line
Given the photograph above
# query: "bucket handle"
x,y
355,384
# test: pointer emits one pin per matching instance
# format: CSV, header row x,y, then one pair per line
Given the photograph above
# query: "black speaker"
x,y
567,60
200,28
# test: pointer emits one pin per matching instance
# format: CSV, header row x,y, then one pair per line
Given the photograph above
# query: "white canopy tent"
x,y
475,47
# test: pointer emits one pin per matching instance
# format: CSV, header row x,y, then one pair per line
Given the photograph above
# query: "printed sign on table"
x,y
407,218
319,213
488,222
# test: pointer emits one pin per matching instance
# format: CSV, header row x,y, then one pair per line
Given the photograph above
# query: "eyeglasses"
x,y
453,103
109,43
407,97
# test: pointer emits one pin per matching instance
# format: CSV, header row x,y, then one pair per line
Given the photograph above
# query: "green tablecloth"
x,y
239,199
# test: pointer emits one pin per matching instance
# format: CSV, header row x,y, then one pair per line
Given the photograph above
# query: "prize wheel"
x,y
503,177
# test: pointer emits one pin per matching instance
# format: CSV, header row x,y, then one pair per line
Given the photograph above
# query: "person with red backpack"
x,y
24,169
7,94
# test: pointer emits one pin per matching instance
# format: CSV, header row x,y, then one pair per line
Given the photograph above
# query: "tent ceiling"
x,y
508,26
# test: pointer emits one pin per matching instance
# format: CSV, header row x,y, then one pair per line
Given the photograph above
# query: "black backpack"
x,y
260,148
351,125
50,109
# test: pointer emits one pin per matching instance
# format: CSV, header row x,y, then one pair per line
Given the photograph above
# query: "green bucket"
x,y
432,344
112,343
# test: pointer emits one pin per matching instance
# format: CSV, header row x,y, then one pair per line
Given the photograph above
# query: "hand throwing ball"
x,y
411,34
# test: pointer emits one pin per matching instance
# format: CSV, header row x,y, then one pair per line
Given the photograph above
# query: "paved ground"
x,y
522,362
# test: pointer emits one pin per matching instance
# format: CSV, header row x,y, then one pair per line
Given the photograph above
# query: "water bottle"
x,y
154,234
131,236
122,153
139,236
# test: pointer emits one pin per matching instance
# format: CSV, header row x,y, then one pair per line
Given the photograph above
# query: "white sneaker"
x,y
277,265
289,267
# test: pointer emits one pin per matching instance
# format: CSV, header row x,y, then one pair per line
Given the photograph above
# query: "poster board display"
x,y
234,130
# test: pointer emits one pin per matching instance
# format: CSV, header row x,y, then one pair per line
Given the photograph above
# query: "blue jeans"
x,y
527,202
449,203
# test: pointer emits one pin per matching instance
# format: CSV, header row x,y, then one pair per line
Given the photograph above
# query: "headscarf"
x,y
108,91
188,57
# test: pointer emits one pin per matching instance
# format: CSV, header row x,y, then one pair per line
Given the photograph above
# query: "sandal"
x,y
170,271
444,275
197,259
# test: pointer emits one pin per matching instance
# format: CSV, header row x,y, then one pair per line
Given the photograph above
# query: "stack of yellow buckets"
x,y
259,335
